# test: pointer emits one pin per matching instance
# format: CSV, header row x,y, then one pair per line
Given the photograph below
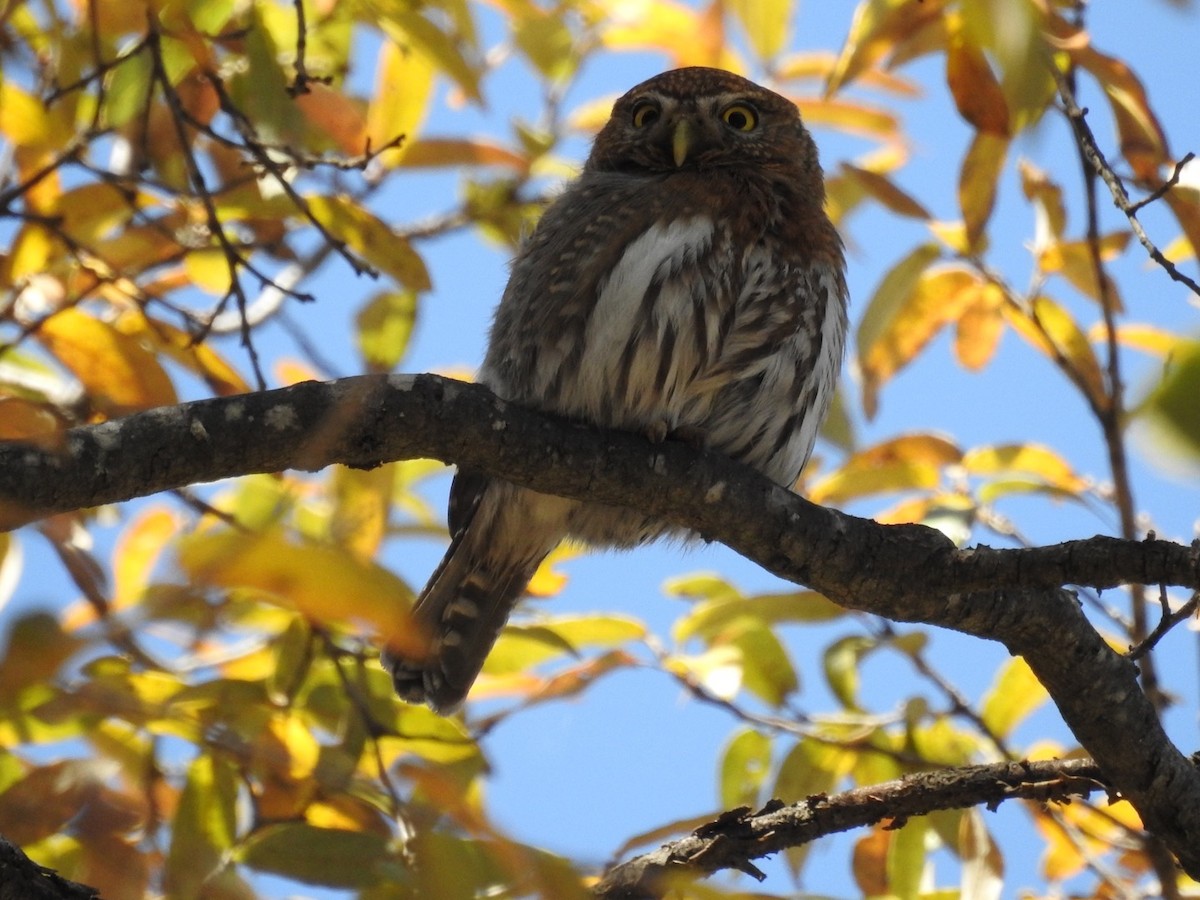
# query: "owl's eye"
x,y
645,113
740,117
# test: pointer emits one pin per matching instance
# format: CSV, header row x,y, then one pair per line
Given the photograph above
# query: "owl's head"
x,y
700,118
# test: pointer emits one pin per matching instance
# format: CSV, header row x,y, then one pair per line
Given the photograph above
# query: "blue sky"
x,y
579,777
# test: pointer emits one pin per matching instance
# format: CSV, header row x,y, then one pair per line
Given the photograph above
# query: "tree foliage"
x,y
210,710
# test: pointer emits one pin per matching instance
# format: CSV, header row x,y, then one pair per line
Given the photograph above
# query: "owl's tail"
x,y
491,559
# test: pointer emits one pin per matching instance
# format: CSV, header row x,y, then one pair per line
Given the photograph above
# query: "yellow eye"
x,y
740,117
645,113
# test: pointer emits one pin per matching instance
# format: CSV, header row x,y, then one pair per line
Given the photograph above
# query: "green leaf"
x,y
128,88
744,768
1171,411
326,856
385,325
204,829
906,859
841,663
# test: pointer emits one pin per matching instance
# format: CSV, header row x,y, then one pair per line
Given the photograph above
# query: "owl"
x,y
688,284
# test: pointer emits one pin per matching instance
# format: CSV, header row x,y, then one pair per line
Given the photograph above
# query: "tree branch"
x,y
739,836
905,572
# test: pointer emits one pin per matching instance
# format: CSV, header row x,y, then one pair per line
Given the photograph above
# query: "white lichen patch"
x,y
234,411
658,464
282,417
716,493
197,429
107,436
498,425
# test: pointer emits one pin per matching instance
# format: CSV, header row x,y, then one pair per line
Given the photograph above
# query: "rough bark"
x,y
907,573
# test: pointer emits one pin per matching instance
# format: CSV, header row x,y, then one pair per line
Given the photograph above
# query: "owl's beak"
x,y
681,141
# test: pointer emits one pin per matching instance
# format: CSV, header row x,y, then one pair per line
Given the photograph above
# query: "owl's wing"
x,y
776,368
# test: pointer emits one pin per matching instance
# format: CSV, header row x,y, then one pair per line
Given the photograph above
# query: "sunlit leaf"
x,y
197,357
766,22
711,617
1046,196
1014,694
385,324
361,499
906,859
327,584
978,180
878,25
404,80
36,646
461,152
405,25
852,117
1138,336
522,646
340,118
120,374
1075,260
979,328
204,828
1052,330
745,763
546,40
693,37
869,862
31,423
367,235
1143,143
879,322
1032,459
974,86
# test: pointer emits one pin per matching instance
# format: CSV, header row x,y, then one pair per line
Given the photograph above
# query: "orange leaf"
x,y
179,346
339,117
976,91
979,328
29,422
1143,143
119,373
886,192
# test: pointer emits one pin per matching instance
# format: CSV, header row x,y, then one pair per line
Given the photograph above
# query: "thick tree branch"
x,y
906,573
739,836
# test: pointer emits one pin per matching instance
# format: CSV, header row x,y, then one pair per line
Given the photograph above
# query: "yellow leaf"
x,y
978,180
851,482
766,23
850,117
368,236
1032,459
546,41
547,581
119,373
31,423
1147,338
137,551
1052,330
1185,204
1046,196
913,311
692,37
979,328
32,251
28,123
1073,259
201,359
361,501
326,584
404,78
463,152
1143,143
879,26
1014,694
974,86
208,269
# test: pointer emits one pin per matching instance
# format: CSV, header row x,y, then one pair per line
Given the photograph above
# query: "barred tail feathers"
x,y
469,597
